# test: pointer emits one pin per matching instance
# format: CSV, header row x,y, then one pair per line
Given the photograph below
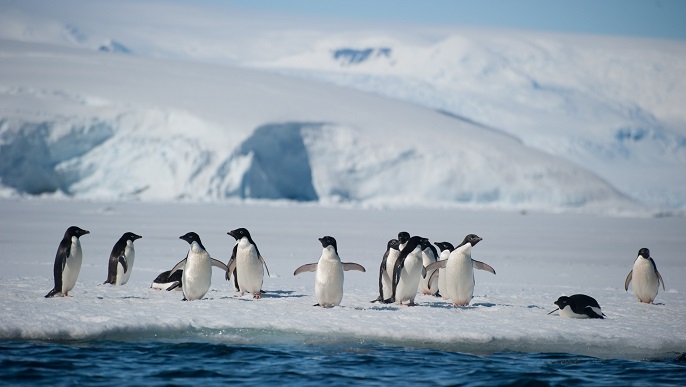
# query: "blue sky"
x,y
646,18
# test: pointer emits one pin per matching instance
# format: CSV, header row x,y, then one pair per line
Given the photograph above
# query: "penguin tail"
x,y
389,300
52,293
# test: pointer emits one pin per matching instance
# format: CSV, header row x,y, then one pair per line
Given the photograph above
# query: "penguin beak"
x,y
233,234
552,311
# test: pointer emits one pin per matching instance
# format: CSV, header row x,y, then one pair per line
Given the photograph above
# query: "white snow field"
x,y
180,100
538,257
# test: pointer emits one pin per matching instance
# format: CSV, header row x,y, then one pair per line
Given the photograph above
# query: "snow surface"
x,y
538,257
511,120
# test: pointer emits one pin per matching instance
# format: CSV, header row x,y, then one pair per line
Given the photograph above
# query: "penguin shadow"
x,y
380,307
281,294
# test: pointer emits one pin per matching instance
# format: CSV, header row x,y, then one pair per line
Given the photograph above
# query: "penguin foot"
x,y
256,296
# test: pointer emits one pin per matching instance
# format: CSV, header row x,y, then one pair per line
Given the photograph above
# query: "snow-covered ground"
x,y
538,257
102,100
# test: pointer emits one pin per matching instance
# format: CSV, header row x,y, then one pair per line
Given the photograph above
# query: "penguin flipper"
x,y
482,266
306,268
353,266
433,266
230,268
122,260
219,264
173,286
433,276
659,278
592,313
178,266
628,279
265,265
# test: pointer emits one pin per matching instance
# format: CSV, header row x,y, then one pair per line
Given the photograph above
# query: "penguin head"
x,y
393,244
74,231
190,237
644,252
403,237
471,238
445,246
129,236
562,302
240,233
425,243
329,241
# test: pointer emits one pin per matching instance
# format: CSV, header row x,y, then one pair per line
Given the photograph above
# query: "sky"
x,y
639,18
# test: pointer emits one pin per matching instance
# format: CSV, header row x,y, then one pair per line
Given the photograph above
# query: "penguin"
x,y
121,260
446,248
67,262
428,285
328,280
578,306
246,264
164,281
197,269
459,271
403,237
386,271
407,272
645,276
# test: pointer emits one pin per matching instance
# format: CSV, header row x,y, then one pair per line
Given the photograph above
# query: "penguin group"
x,y
410,265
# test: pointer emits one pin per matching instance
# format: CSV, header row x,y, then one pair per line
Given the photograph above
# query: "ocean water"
x,y
158,362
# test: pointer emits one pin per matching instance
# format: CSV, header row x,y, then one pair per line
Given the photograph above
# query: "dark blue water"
x,y
153,363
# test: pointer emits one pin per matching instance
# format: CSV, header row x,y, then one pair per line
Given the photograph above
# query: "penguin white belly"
x,y
569,313
250,270
424,286
441,284
387,280
406,290
459,279
644,281
328,283
197,275
73,266
129,255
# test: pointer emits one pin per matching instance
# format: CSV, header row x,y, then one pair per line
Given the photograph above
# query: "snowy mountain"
x,y
210,106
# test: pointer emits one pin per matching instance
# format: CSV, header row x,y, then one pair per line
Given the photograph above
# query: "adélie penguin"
x,y
459,271
328,280
197,268
428,285
446,248
646,279
67,262
578,306
408,271
168,281
246,264
386,271
121,259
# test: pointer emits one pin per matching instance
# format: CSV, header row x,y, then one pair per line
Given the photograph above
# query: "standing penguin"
x,y
386,271
645,276
121,260
578,306
197,269
408,271
428,285
328,280
246,264
446,249
459,271
67,262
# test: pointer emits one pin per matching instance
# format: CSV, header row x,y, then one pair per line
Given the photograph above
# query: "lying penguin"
x,y
164,281
578,306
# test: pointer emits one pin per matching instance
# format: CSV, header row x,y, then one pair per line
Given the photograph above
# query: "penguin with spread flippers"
x,y
121,260
328,280
197,269
67,262
459,273
246,264
645,277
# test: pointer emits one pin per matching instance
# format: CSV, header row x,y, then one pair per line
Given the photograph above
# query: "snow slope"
x,y
537,257
611,108
97,125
